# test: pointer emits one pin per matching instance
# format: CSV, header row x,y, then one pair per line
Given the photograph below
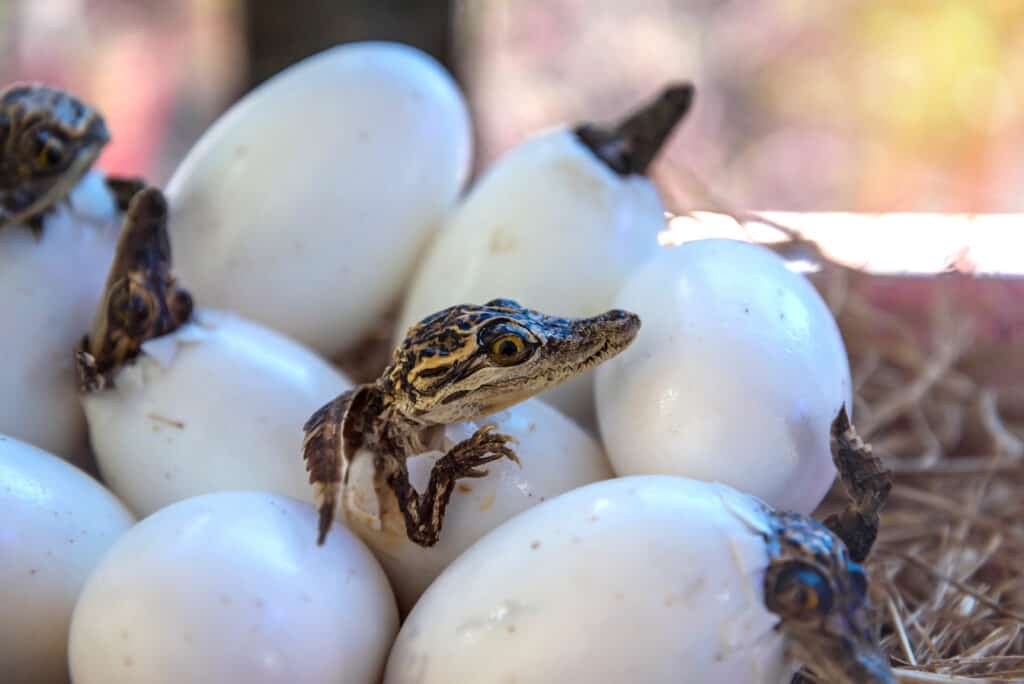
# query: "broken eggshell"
x,y
229,587
56,523
650,579
556,456
552,226
305,206
735,377
49,287
217,404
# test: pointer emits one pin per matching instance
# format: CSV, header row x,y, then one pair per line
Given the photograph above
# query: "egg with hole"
x,y
653,579
557,223
556,456
230,587
735,377
49,286
217,404
305,206
55,524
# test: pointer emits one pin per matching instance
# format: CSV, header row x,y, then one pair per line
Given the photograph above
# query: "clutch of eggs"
x,y
651,579
217,404
49,287
56,523
306,204
735,377
556,455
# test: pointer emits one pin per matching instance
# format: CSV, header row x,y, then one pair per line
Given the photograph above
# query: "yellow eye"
x,y
508,350
50,152
800,593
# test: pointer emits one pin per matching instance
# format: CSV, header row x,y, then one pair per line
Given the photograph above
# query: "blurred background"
x,y
853,105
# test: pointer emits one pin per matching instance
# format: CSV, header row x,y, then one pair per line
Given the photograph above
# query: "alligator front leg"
x,y
424,513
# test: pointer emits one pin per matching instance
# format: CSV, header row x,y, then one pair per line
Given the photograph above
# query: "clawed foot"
x,y
465,458
424,513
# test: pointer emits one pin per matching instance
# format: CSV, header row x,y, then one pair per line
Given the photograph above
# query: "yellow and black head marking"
x,y
469,361
821,596
48,141
462,363
141,299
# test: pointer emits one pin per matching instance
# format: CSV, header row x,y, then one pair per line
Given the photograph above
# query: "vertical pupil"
x,y
508,348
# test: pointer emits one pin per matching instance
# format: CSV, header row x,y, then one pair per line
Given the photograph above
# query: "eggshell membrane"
x,y
651,579
556,456
55,524
550,226
736,375
218,404
231,587
305,205
49,288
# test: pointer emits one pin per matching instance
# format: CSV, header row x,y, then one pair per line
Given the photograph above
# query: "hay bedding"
x,y
931,399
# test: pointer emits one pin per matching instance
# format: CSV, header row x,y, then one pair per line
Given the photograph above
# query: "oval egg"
x,y
556,456
217,404
735,376
647,579
229,587
55,524
305,206
49,287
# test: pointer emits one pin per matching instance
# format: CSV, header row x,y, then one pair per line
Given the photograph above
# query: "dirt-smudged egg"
x,y
184,401
557,224
55,524
735,376
654,579
305,206
556,456
49,286
229,587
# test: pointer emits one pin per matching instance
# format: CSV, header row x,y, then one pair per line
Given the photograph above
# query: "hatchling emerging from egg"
x,y
462,363
49,140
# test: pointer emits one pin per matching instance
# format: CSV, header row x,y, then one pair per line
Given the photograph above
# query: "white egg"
x,y
55,524
305,206
217,404
229,587
48,292
550,226
735,377
643,579
556,456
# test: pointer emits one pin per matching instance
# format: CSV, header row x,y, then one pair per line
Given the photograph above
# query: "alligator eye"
x,y
799,592
50,151
508,350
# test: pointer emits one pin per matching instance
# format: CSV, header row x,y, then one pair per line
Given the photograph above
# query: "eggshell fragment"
x,y
48,292
229,587
305,206
218,404
55,524
550,226
735,376
651,579
556,456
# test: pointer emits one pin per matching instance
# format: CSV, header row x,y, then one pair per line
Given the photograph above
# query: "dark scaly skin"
x,y
49,140
814,582
630,146
867,481
820,594
462,363
141,299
